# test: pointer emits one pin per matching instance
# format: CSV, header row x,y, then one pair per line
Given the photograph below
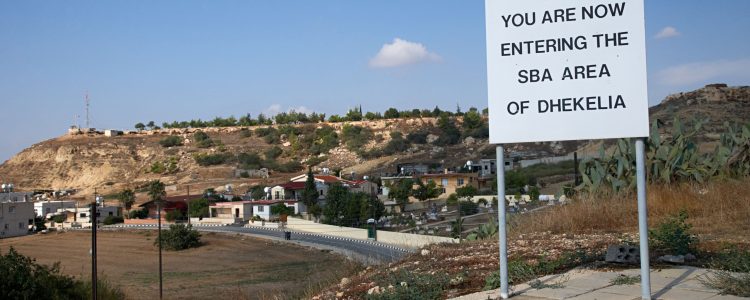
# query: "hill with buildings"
x,y
108,161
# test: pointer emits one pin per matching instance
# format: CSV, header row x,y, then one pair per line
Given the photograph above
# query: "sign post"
x,y
567,70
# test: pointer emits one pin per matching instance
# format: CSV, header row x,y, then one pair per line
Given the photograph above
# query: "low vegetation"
x,y
22,277
179,237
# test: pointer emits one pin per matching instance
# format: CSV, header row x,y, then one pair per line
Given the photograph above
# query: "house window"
x,y
82,215
444,182
260,208
20,225
278,195
6,226
321,192
11,209
460,181
47,210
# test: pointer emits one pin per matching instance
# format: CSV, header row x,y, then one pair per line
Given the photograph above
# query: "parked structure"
x,y
173,203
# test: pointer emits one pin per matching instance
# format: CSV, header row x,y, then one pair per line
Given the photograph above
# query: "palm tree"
x,y
127,198
157,193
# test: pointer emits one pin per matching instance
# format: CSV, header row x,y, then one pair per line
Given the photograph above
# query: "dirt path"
x,y
227,266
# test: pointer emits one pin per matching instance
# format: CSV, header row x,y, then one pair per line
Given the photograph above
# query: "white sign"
x,y
566,70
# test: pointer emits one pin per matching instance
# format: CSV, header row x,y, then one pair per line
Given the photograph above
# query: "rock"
x,y
374,290
286,144
432,138
672,259
404,284
339,294
425,252
690,257
469,140
624,254
345,281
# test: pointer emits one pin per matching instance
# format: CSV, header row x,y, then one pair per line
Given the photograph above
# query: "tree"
x,y
127,199
310,193
401,192
156,191
426,191
336,205
151,125
198,208
466,192
139,126
179,237
281,209
391,113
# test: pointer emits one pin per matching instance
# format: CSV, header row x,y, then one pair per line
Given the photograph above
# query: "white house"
x,y
83,214
236,211
15,218
262,208
46,208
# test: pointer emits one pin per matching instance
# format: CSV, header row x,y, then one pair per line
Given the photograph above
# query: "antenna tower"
x,y
87,110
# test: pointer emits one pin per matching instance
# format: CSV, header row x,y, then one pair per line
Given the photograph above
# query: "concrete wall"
x,y
388,237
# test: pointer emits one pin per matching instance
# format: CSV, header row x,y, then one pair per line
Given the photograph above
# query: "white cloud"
x,y
275,109
272,110
701,72
667,32
401,53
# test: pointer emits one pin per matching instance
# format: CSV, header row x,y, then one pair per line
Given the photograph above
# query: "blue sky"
x,y
179,60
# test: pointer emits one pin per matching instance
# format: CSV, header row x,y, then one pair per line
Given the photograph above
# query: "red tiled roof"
x,y
328,178
293,185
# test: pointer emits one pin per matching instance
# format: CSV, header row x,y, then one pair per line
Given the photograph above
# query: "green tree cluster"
x,y
344,208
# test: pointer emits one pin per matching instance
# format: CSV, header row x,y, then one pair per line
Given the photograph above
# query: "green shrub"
x,y
158,168
245,133
211,159
22,277
418,137
244,174
316,160
468,208
171,141
411,285
274,152
520,271
202,140
58,219
110,220
672,236
139,214
249,161
179,237
356,137
174,215
199,208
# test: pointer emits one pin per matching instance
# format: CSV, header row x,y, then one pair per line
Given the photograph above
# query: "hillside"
x,y
108,164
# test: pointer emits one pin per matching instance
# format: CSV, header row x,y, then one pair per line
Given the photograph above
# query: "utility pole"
x,y
93,247
158,213
188,204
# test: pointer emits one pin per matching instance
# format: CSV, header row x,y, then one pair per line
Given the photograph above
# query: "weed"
x,y
728,283
623,279
520,271
673,235
411,285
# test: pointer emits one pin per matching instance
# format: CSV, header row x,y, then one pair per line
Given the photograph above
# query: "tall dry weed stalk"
x,y
720,209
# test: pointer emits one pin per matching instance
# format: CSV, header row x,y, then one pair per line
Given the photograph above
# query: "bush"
x,y
202,140
520,271
468,208
179,237
174,215
22,277
418,137
139,214
244,174
110,220
245,133
672,236
198,208
58,219
249,161
211,159
274,152
171,141
417,286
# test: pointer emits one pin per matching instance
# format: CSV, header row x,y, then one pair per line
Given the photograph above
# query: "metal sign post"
x,y
502,233
640,162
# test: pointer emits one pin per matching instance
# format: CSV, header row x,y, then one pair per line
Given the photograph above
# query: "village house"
x,y
449,182
83,214
47,208
172,203
15,216
237,211
262,208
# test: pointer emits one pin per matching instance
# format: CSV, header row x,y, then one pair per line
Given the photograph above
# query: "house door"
x,y
236,212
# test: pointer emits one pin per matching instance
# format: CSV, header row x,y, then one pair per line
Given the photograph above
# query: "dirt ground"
x,y
225,267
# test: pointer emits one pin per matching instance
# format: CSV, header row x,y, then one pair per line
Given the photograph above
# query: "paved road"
x,y
365,251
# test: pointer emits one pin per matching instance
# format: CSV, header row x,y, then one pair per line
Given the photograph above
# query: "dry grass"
x,y
718,211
